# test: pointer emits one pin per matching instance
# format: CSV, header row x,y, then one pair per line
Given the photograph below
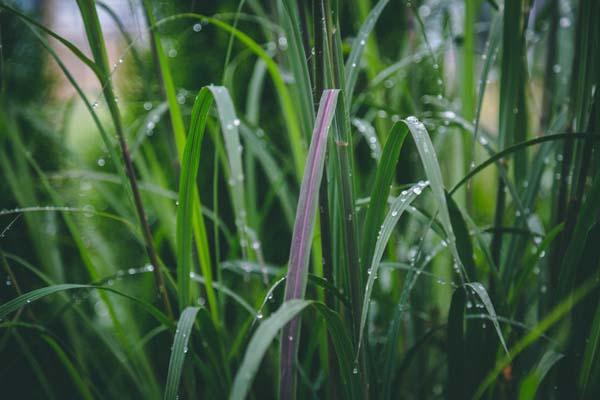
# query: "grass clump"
x,y
282,199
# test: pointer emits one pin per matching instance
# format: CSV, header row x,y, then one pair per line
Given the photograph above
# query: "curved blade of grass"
x,y
179,350
531,382
520,146
30,297
434,175
400,204
229,127
259,343
302,234
267,331
479,289
358,47
286,101
531,337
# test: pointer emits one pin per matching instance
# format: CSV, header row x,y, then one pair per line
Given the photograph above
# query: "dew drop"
x,y
197,27
556,68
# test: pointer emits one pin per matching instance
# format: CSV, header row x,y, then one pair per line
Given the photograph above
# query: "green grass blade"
x,y
285,99
259,343
358,47
229,126
179,350
185,211
479,289
563,308
303,233
531,382
400,204
434,175
518,147
34,295
266,333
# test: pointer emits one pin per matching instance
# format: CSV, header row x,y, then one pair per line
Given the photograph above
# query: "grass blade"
x,y
179,350
185,211
266,333
552,318
229,126
487,303
400,204
30,297
285,99
434,175
259,343
530,384
302,235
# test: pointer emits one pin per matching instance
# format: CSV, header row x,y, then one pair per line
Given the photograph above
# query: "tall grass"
x,y
302,199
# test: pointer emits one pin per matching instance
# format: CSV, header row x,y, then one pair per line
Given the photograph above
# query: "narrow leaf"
x,y
400,204
303,231
179,350
487,303
358,47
